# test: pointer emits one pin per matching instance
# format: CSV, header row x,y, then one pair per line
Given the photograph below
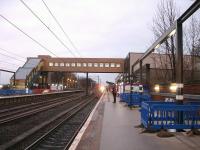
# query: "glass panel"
x,y
118,65
73,64
50,64
101,64
95,64
78,64
61,64
106,64
67,64
112,65
56,64
89,64
84,65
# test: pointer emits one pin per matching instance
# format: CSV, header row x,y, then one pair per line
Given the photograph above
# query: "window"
x,y
118,65
50,64
78,64
112,65
95,64
106,64
67,64
89,64
84,65
56,64
62,64
101,65
73,64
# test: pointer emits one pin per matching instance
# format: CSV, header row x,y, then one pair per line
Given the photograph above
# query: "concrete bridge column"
x,y
86,89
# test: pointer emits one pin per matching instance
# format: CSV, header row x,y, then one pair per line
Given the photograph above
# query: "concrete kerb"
x,y
85,126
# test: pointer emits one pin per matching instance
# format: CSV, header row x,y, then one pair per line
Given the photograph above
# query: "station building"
x,y
157,69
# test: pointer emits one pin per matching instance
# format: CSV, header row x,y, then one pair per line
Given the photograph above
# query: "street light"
x,y
173,87
157,88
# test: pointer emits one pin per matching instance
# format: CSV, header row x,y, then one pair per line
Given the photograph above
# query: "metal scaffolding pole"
x,y
179,62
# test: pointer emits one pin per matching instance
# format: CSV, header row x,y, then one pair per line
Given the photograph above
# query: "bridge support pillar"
x,y
141,72
14,80
86,89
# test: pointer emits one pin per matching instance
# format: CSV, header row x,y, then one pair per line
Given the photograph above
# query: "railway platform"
x,y
111,126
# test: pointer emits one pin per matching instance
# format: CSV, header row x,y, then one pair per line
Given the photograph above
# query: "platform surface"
x,y
113,128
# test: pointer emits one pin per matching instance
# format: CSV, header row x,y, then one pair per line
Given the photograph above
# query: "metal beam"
x,y
179,62
7,71
179,53
158,42
194,7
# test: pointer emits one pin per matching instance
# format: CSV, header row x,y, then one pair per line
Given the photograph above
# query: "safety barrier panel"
x,y
134,99
14,92
169,115
124,97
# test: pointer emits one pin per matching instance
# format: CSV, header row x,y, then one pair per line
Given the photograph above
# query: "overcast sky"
x,y
98,28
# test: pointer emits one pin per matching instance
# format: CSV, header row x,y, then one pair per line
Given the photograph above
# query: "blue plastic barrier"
x,y
134,99
164,115
14,92
137,99
124,97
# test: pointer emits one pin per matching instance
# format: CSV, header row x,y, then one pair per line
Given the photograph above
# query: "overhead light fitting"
x,y
157,46
172,33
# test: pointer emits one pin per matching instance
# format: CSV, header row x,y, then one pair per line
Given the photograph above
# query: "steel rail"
x,y
32,112
27,134
27,106
42,139
76,132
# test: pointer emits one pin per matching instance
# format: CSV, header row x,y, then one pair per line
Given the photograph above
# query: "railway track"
x,y
15,113
14,101
24,122
56,133
61,136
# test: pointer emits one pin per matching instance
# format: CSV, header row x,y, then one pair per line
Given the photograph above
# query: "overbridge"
x,y
39,69
90,65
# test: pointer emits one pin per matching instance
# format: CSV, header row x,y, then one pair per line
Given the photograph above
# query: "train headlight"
x,y
157,88
102,88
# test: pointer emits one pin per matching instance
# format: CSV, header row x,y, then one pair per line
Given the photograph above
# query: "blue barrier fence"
x,y
165,115
14,92
134,99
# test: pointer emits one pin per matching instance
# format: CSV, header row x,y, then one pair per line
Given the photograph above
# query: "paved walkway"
x,y
112,128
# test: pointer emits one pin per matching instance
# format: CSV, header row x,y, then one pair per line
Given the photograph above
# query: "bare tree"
x,y
192,43
165,16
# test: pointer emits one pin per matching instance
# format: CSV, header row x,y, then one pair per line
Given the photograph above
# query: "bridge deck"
x,y
112,128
